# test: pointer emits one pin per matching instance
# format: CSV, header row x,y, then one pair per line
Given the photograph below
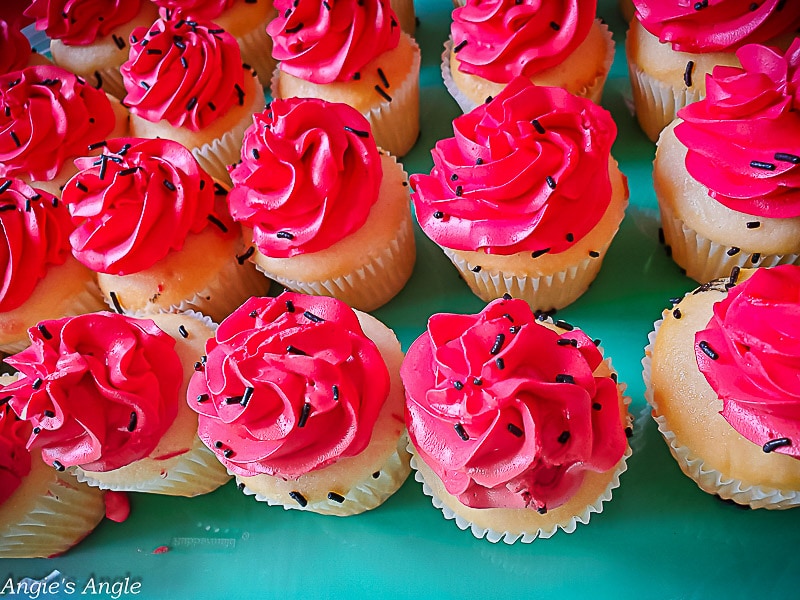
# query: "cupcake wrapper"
x,y
464,103
703,259
708,479
256,47
370,493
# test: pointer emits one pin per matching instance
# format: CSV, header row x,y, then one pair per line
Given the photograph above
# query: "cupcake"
x,y
517,426
555,43
722,379
351,52
154,227
90,39
185,81
41,279
672,46
48,116
328,211
726,172
300,398
526,197
15,49
105,393
43,512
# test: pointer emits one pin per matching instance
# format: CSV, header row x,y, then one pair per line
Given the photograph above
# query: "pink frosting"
x,y
719,25
133,208
322,41
508,412
99,389
527,172
36,230
15,50
750,355
47,117
501,39
743,139
207,10
291,384
310,173
81,22
15,460
189,74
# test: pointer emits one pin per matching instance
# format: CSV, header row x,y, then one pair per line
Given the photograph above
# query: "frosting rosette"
x,y
718,26
743,139
15,50
506,411
501,39
136,203
526,172
750,355
323,41
291,384
47,117
99,389
15,460
310,173
36,229
198,9
81,22
188,73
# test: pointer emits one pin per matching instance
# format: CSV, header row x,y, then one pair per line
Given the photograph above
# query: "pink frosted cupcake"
x,y
15,50
90,39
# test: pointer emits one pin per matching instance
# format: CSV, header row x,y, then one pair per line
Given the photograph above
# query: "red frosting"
x,y
719,25
188,74
524,173
506,411
81,22
47,117
750,355
291,384
310,173
743,139
133,208
323,41
36,230
99,389
500,39
15,50
207,10
15,460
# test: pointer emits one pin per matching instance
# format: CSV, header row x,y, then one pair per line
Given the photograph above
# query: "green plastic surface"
x,y
660,536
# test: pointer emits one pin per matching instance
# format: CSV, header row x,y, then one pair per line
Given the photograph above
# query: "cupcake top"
x,y
79,23
207,10
15,460
719,26
501,39
323,41
526,172
291,384
750,355
507,411
48,116
310,173
99,389
188,73
137,202
15,50
36,229
743,139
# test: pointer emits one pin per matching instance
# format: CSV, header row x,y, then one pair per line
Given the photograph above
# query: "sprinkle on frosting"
x,y
15,460
82,23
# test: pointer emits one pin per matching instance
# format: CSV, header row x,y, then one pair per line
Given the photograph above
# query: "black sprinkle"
x,y
514,328
708,350
500,363
687,73
564,437
461,432
383,93
460,46
542,510
356,76
755,258
790,158
289,306
219,190
775,444
4,186
538,253
239,93
294,350
233,400
476,269
458,385
477,381
304,415
567,342
312,317
81,187
564,325
130,171
182,331
753,224
629,432
118,41
192,103
358,132
299,498
335,391
732,251
169,185
594,253
132,421
438,214
115,302
551,183
555,25
153,51
733,277
376,474
564,378
248,393
253,314
498,344
597,406
49,414
227,453
676,313
58,466
757,164
382,75
459,190
45,333
198,366
284,235
97,145
570,237
218,223
15,138
242,258
335,497
202,397
294,29
537,126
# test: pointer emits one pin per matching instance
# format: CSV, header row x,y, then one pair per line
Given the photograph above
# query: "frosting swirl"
x,y
15,50
310,173
187,73
501,428
526,172
501,39
719,26
291,384
323,41
15,460
743,139
100,389
36,230
47,117
136,203
81,22
755,336
207,10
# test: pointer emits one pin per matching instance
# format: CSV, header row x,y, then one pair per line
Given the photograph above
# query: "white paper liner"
x,y
704,259
708,479
256,48
370,492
